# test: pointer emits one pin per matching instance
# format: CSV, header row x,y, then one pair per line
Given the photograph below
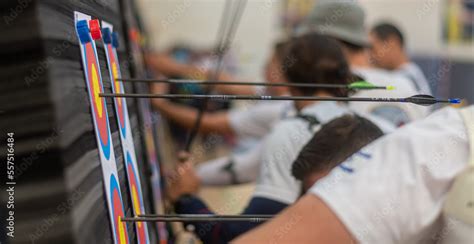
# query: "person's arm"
x,y
214,172
238,168
308,221
233,89
185,183
167,66
215,122
223,232
236,90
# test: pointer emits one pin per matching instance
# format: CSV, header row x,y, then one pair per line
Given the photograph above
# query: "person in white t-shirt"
x,y
253,121
345,21
398,113
393,192
282,145
388,52
248,124
318,59
333,144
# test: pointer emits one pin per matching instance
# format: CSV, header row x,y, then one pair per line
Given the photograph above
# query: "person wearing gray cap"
x,y
345,21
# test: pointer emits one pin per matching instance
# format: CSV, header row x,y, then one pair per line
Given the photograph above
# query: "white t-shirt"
x,y
257,120
251,126
393,190
412,72
283,144
397,113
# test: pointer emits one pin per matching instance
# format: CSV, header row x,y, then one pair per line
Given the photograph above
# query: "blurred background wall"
x,y
196,22
447,60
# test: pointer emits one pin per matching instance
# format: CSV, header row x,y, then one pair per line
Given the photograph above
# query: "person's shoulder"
x,y
401,82
411,66
287,131
382,123
381,77
268,110
376,73
447,113
265,107
287,125
446,121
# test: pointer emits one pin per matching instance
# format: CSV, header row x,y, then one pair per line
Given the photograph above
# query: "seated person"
x,y
349,30
388,52
393,191
249,125
251,122
331,145
317,59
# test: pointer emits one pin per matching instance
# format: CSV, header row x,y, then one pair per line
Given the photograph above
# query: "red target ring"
x,y
119,227
99,108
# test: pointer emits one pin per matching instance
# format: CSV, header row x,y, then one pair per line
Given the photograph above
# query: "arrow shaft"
x,y
193,219
206,216
252,97
417,99
246,83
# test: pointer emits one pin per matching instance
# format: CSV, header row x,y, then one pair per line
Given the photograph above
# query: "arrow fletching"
x,y
364,85
427,100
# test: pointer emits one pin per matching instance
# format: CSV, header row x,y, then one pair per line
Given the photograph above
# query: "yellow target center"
x,y
121,226
96,88
116,83
136,204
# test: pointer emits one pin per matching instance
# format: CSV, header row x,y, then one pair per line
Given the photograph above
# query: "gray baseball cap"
x,y
343,20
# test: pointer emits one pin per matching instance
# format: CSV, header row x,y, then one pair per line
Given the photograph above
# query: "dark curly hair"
x,y
334,143
317,59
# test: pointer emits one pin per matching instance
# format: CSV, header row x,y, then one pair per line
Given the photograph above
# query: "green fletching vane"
x,y
361,85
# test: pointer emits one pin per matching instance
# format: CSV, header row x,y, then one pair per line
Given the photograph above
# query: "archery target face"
x,y
102,130
98,103
120,228
126,139
137,201
117,88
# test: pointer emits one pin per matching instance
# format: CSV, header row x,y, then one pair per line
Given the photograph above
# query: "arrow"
x,y
423,100
196,218
207,215
427,100
360,85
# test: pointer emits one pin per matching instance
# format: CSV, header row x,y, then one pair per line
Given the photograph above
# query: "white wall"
x,y
196,22
421,21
